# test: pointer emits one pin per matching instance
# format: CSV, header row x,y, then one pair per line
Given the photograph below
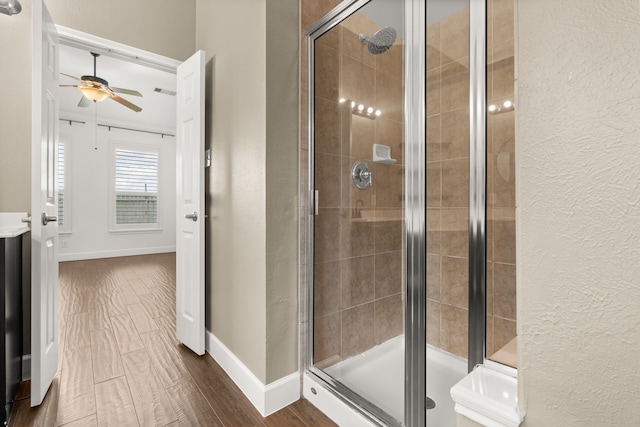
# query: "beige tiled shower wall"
x,y
358,300
501,185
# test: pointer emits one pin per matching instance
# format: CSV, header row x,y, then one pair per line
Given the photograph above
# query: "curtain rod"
x,y
162,134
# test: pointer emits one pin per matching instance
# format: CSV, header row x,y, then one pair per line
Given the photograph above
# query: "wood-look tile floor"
x,y
120,364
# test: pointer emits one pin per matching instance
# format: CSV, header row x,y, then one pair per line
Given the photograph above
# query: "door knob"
x,y
46,219
193,216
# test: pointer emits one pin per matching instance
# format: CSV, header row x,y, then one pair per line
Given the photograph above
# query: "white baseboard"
x,y
266,398
26,367
114,253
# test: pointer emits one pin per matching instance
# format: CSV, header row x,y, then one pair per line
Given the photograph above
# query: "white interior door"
x,y
190,204
44,204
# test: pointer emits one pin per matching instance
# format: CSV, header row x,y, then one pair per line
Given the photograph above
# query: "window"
x,y
135,205
64,215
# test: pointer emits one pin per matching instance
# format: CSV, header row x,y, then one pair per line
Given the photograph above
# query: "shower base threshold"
x,y
378,376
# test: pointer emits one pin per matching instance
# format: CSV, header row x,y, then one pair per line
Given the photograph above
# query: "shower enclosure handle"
x,y
316,196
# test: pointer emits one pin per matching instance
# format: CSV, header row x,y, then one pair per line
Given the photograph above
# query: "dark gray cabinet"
x,y
11,319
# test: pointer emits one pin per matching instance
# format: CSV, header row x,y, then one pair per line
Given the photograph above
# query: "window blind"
x,y
136,187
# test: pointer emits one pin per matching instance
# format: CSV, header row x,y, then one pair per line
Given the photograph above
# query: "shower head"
x,y
380,41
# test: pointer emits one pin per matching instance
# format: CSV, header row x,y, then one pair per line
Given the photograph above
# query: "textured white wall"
x,y
579,217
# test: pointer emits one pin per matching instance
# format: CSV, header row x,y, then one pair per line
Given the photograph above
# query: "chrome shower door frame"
x,y
477,183
415,143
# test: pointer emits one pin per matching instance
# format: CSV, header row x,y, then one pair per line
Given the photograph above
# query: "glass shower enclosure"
x,y
396,236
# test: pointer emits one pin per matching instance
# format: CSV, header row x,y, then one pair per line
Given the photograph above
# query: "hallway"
x,y
120,364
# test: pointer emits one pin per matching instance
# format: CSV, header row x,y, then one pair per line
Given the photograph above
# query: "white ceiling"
x,y
158,110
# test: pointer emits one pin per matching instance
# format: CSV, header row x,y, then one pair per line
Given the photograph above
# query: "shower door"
x,y
357,207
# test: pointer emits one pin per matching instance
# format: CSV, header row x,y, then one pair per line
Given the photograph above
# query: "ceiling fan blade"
x,y
69,75
68,85
125,91
84,102
126,103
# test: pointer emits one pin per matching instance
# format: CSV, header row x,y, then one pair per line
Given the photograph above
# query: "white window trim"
x,y
131,228
66,228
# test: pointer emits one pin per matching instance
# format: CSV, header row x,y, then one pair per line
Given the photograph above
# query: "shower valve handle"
x,y
364,175
361,175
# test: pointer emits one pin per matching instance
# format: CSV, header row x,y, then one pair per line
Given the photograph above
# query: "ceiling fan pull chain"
x,y
96,125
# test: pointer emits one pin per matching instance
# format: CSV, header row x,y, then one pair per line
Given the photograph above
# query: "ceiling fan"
x,y
96,89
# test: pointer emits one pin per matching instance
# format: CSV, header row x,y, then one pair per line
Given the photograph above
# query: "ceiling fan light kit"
x,y
97,89
93,93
